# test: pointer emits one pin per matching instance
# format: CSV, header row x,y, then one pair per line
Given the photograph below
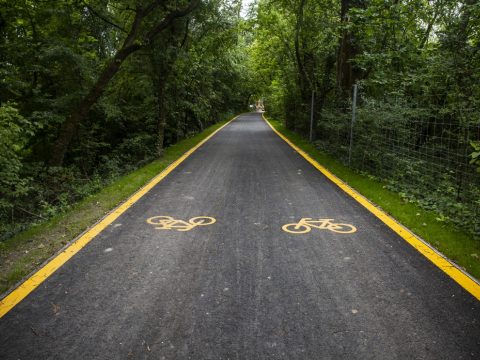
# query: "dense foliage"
x,y
416,64
90,89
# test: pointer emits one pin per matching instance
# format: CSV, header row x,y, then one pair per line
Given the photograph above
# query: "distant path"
x,y
241,287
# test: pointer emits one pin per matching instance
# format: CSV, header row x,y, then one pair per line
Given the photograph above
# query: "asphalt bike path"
x,y
206,266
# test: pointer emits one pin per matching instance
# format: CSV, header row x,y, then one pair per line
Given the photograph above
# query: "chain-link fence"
x,y
423,152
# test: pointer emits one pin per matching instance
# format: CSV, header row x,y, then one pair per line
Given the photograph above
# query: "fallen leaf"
x,y
55,308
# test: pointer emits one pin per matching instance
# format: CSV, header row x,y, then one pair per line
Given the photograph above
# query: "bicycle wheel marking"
x,y
305,225
169,223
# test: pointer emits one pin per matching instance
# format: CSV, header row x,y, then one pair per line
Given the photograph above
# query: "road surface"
x,y
242,287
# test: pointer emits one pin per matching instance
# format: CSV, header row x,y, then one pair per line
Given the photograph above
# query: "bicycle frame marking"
x,y
305,225
169,223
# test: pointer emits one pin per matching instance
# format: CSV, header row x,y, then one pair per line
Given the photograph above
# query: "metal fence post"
x,y
354,109
311,116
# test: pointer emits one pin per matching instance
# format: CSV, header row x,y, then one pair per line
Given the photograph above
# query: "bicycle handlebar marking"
x,y
169,223
305,225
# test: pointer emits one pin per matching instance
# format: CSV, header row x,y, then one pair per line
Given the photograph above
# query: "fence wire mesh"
x,y
423,152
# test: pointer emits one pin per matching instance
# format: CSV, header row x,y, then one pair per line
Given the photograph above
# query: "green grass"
x,y
457,245
23,253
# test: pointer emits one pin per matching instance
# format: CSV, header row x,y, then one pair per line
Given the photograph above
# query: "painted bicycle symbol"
x,y
305,225
169,223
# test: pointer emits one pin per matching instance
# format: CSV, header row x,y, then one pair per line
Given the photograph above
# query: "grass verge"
x,y
25,252
457,245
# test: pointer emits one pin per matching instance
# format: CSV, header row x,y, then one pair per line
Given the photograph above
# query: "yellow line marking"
x,y
305,225
25,288
444,264
169,223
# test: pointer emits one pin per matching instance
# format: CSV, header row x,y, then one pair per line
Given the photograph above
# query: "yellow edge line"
x,y
48,269
463,279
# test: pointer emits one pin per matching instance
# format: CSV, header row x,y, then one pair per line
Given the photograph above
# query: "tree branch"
x,y
92,10
167,21
185,37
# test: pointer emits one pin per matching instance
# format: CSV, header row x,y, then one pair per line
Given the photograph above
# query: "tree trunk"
x,y
348,48
324,89
161,122
162,63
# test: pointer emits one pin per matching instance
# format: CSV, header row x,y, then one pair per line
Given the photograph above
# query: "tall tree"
x,y
348,49
140,34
